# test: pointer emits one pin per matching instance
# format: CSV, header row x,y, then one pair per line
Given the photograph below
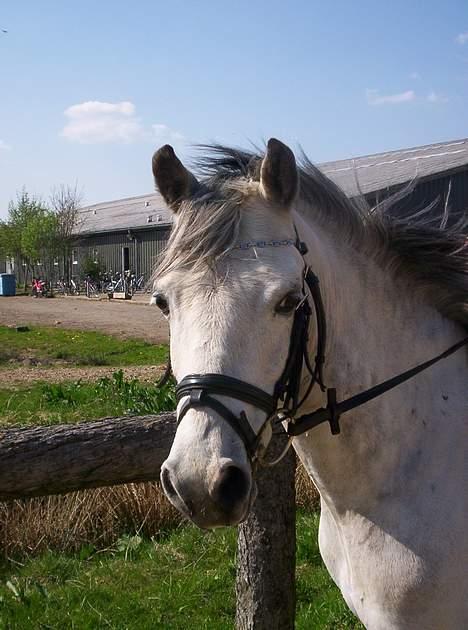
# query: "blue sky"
x,y
90,89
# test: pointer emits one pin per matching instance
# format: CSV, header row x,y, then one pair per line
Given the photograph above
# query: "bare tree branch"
x,y
66,201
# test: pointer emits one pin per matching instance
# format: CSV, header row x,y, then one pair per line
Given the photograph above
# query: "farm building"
x,y
127,234
131,233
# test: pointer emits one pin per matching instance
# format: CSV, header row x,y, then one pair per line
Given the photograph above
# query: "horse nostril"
x,y
166,482
231,488
182,503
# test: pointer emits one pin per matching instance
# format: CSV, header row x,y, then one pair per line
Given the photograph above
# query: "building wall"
x,y
144,247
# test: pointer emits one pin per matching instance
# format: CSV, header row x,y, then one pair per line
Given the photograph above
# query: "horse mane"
x,y
431,249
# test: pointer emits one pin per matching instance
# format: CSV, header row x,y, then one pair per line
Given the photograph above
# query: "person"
x,y
39,287
34,287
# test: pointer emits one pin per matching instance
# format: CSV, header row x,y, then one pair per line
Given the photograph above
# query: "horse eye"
x,y
288,303
161,303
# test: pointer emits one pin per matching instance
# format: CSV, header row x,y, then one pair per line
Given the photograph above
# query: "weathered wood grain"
x,y
41,461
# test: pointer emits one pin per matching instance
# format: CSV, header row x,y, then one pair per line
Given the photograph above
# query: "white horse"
x,y
393,518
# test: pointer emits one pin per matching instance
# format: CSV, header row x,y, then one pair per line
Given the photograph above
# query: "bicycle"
x,y
40,288
120,283
91,288
136,284
61,287
74,287
71,287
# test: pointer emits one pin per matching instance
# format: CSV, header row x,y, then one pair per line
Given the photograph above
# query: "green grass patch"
x,y
55,403
77,347
184,580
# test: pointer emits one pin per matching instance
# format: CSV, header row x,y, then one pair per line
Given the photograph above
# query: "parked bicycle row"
x,y
108,284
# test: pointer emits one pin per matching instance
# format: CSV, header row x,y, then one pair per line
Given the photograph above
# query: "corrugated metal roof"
x,y
366,174
144,211
380,171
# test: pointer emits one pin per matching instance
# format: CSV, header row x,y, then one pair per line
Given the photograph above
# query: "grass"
x,y
49,345
183,579
56,403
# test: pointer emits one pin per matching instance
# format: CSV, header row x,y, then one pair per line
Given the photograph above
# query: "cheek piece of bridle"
x,y
197,391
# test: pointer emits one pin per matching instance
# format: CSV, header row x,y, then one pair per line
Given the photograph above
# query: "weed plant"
x,y
55,403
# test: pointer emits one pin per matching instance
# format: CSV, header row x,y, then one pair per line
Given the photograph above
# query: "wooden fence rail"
x,y
56,459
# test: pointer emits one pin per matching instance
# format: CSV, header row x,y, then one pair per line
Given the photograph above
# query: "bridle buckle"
x,y
333,409
196,396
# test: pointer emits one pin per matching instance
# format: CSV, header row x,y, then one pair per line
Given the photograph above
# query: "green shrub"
x,y
92,267
129,395
77,401
136,397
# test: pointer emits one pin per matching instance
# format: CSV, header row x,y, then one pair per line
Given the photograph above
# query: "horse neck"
x,y
378,327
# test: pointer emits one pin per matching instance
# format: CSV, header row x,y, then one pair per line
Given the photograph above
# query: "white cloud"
x,y
415,75
96,122
462,38
163,133
374,98
4,146
433,97
90,108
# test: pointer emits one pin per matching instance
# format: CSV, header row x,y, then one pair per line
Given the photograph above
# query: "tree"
x,y
18,238
39,240
10,240
34,233
19,215
65,202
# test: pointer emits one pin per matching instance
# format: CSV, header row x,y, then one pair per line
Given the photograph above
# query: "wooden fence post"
x,y
265,584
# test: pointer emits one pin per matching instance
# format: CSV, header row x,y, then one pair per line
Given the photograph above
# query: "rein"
x,y
332,412
197,390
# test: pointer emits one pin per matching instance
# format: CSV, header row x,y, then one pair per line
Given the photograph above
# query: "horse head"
x,y
230,283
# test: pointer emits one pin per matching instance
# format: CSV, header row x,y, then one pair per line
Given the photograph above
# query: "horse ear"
x,y
174,181
279,180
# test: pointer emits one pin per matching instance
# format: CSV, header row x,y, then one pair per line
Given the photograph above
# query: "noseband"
x,y
197,390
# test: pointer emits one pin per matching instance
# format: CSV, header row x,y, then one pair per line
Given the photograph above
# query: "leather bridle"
x,y
197,391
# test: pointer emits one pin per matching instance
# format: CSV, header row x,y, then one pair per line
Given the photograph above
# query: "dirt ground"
x,y
19,376
134,318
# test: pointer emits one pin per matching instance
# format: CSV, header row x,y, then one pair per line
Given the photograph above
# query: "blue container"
x,y
7,284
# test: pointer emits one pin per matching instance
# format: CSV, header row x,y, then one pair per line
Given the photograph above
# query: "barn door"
x,y
125,259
